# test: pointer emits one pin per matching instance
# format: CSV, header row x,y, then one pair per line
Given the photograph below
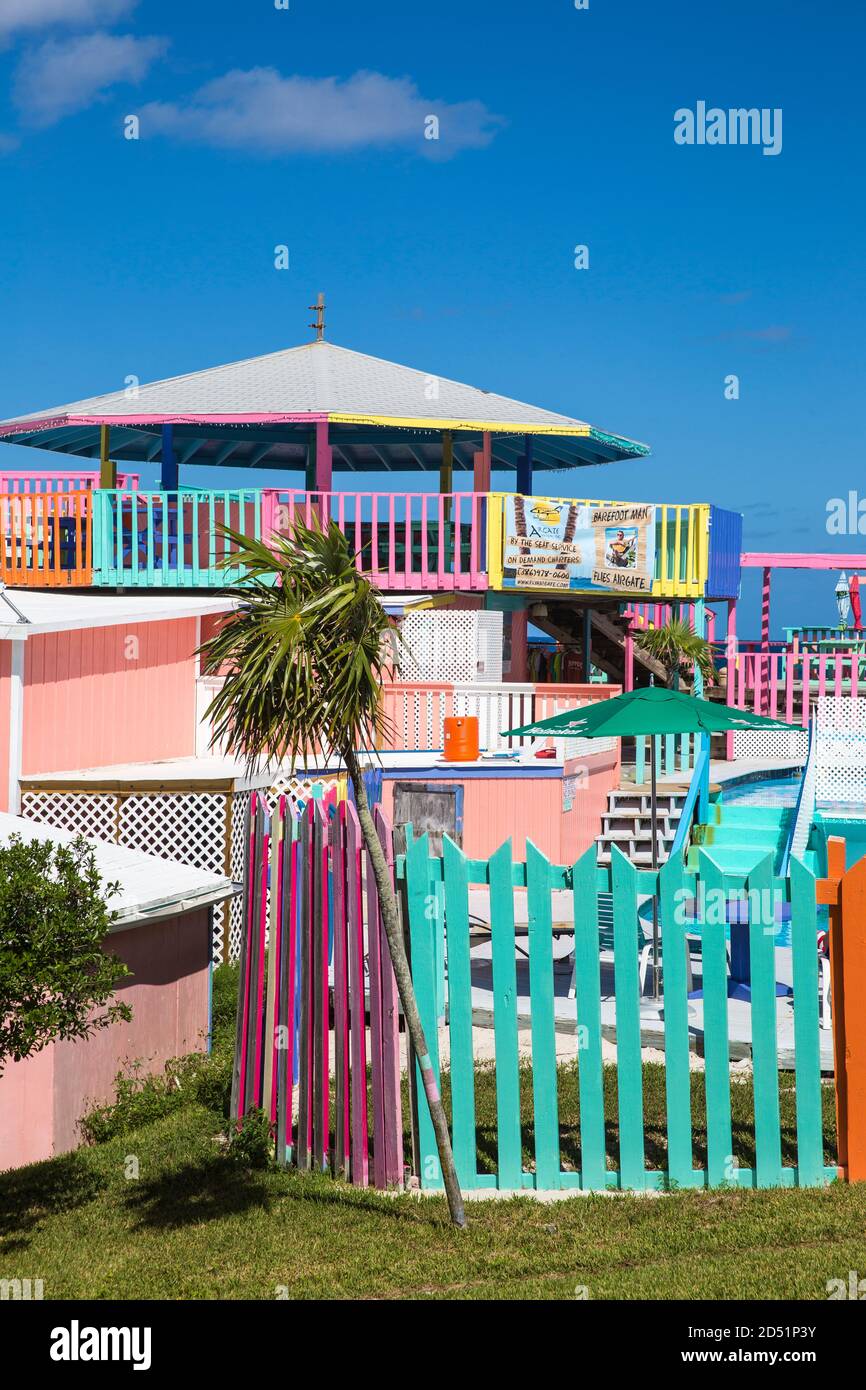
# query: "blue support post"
x,y
170,473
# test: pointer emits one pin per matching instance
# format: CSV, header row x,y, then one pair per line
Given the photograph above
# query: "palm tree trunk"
x,y
406,989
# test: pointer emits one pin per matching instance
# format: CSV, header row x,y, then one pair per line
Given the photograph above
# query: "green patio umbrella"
x,y
651,711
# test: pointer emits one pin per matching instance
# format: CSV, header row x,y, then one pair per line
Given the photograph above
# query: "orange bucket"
x,y
461,739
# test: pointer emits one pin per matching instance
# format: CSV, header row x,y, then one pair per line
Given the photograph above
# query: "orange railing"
x,y
46,539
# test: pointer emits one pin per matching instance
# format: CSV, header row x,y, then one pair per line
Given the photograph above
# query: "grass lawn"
x,y
196,1223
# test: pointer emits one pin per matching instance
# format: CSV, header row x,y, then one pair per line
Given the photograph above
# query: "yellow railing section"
x,y
682,549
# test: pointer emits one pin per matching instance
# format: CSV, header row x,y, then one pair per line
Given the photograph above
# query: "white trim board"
x,y
47,612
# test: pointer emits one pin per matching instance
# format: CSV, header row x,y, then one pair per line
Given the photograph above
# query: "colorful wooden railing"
x,y
628,1159
798,638
784,684
403,540
171,539
60,480
313,943
46,539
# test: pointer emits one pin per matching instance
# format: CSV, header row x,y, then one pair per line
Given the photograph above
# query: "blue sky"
x,y
155,256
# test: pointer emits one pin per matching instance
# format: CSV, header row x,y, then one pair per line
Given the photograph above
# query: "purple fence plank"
x,y
341,995
359,1169
374,972
392,1118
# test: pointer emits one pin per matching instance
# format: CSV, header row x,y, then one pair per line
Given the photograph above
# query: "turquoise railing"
x,y
528,1150
804,811
171,539
697,803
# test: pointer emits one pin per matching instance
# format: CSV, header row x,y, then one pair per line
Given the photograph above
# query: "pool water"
x,y
831,817
770,791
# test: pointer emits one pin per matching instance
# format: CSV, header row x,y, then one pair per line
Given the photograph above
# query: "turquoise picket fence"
x,y
170,539
691,920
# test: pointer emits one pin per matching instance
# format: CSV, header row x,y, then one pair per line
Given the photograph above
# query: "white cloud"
x,y
260,110
63,76
18,16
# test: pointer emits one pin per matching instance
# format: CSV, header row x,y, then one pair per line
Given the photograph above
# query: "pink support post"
x,y
324,458
790,664
425,575
765,633
731,668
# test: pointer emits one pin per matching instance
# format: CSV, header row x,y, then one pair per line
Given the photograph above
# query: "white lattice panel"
x,y
840,753
457,645
86,813
187,826
781,745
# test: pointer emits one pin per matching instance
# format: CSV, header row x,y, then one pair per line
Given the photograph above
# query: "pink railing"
x,y
403,540
645,615
784,684
60,480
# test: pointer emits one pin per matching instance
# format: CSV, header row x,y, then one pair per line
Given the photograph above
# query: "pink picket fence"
x,y
313,931
60,480
403,540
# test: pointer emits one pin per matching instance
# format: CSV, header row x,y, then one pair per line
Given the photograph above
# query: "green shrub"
x,y
252,1146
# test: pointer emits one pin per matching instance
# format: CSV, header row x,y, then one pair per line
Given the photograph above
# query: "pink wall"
x,y
105,695
43,1098
525,807
5,668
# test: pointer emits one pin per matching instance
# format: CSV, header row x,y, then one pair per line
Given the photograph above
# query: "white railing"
x,y
417,712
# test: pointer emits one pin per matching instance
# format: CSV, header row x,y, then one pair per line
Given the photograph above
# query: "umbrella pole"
x,y
655,864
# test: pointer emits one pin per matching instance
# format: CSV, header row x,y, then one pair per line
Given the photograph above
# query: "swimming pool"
x,y
831,817
764,791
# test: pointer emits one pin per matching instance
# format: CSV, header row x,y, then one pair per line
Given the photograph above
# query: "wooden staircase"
x,y
627,823
563,620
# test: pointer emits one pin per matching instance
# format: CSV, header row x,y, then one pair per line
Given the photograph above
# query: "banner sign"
x,y
556,543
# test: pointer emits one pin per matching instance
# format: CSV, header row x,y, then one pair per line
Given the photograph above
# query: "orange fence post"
x,y
845,896
853,944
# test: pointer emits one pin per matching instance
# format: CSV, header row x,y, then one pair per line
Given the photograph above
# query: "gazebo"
x,y
319,408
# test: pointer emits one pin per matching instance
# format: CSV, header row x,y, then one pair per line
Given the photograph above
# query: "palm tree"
x,y
304,658
678,648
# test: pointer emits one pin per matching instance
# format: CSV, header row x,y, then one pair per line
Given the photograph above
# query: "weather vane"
x,y
319,310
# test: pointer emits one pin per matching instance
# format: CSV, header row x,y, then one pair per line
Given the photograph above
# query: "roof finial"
x,y
319,310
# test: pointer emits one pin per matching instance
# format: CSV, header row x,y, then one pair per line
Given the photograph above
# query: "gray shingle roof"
x,y
316,379
319,378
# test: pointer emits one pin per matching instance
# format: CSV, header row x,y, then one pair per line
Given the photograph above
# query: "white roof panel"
x,y
150,887
57,612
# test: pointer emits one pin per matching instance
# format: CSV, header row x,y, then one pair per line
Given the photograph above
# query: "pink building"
x,y
163,933
87,680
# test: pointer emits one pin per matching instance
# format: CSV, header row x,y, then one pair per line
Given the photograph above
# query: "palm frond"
x,y
305,655
678,648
